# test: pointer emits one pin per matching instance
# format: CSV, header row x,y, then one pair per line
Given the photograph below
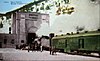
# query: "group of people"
x,y
35,45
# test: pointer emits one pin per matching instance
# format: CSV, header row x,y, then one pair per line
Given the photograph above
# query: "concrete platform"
x,y
10,54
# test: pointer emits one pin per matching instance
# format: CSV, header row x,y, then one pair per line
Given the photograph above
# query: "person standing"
x,y
41,48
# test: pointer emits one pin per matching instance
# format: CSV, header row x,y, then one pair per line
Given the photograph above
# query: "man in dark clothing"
x,y
53,50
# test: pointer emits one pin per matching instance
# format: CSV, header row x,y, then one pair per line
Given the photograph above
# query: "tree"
x,y
41,5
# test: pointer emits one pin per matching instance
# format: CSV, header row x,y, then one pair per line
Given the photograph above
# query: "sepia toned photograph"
x,y
49,30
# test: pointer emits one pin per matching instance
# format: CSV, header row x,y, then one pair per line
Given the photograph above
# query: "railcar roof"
x,y
92,33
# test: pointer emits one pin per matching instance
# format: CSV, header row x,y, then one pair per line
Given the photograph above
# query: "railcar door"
x,y
66,43
81,43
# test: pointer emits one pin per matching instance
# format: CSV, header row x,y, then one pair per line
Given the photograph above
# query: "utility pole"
x,y
51,35
99,13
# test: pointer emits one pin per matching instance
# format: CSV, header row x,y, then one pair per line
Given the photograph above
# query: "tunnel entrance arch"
x,y
31,37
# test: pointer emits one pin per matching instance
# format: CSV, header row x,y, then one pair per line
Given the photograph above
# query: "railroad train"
x,y
81,42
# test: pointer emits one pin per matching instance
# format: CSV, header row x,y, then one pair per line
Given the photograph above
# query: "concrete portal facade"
x,y
23,29
24,23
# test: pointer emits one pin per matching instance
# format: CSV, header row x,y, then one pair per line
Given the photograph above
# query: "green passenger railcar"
x,y
83,42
